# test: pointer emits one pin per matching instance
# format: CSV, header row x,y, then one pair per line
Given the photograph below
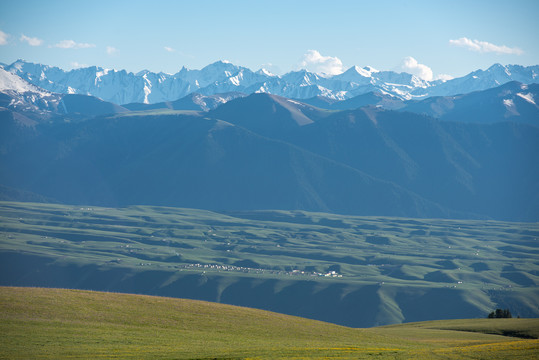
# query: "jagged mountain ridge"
x,y
122,87
193,101
512,101
31,103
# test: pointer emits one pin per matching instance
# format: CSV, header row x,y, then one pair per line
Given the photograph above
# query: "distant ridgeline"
x,y
122,87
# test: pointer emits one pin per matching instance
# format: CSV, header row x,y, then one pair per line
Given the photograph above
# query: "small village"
x,y
219,268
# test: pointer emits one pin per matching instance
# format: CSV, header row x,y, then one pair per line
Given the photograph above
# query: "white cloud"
x,y
32,41
76,65
112,50
3,38
444,77
315,62
411,66
169,49
70,44
485,47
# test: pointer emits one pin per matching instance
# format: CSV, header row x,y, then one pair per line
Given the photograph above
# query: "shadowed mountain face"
x,y
89,105
466,167
193,101
385,101
472,168
513,101
269,115
192,161
35,107
268,152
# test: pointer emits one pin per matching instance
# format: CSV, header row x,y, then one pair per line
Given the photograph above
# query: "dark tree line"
x,y
499,313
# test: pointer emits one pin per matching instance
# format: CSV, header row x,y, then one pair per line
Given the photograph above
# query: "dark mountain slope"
x,y
321,102
473,168
373,98
388,102
505,180
197,162
40,107
269,115
193,101
89,105
266,160
485,169
510,102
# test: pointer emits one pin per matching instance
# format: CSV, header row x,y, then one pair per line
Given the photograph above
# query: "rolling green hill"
x,y
56,324
349,270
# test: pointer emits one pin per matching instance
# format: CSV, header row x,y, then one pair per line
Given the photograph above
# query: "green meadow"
x,y
350,270
43,323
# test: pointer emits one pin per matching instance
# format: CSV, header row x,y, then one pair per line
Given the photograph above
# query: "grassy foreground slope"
x,y
350,270
55,323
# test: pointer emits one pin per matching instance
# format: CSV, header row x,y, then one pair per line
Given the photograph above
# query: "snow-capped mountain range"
x,y
122,87
31,103
22,95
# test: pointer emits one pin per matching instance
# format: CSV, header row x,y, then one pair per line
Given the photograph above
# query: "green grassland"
x,y
367,270
54,323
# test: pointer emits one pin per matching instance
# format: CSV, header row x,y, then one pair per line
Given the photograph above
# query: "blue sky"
x,y
430,38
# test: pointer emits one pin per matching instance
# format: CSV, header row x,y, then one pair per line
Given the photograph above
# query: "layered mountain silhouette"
x,y
36,104
466,156
191,161
465,167
193,101
512,101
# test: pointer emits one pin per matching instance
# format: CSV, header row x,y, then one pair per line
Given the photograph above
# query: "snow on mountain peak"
x,y
355,75
18,64
121,87
9,81
101,73
265,72
360,71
